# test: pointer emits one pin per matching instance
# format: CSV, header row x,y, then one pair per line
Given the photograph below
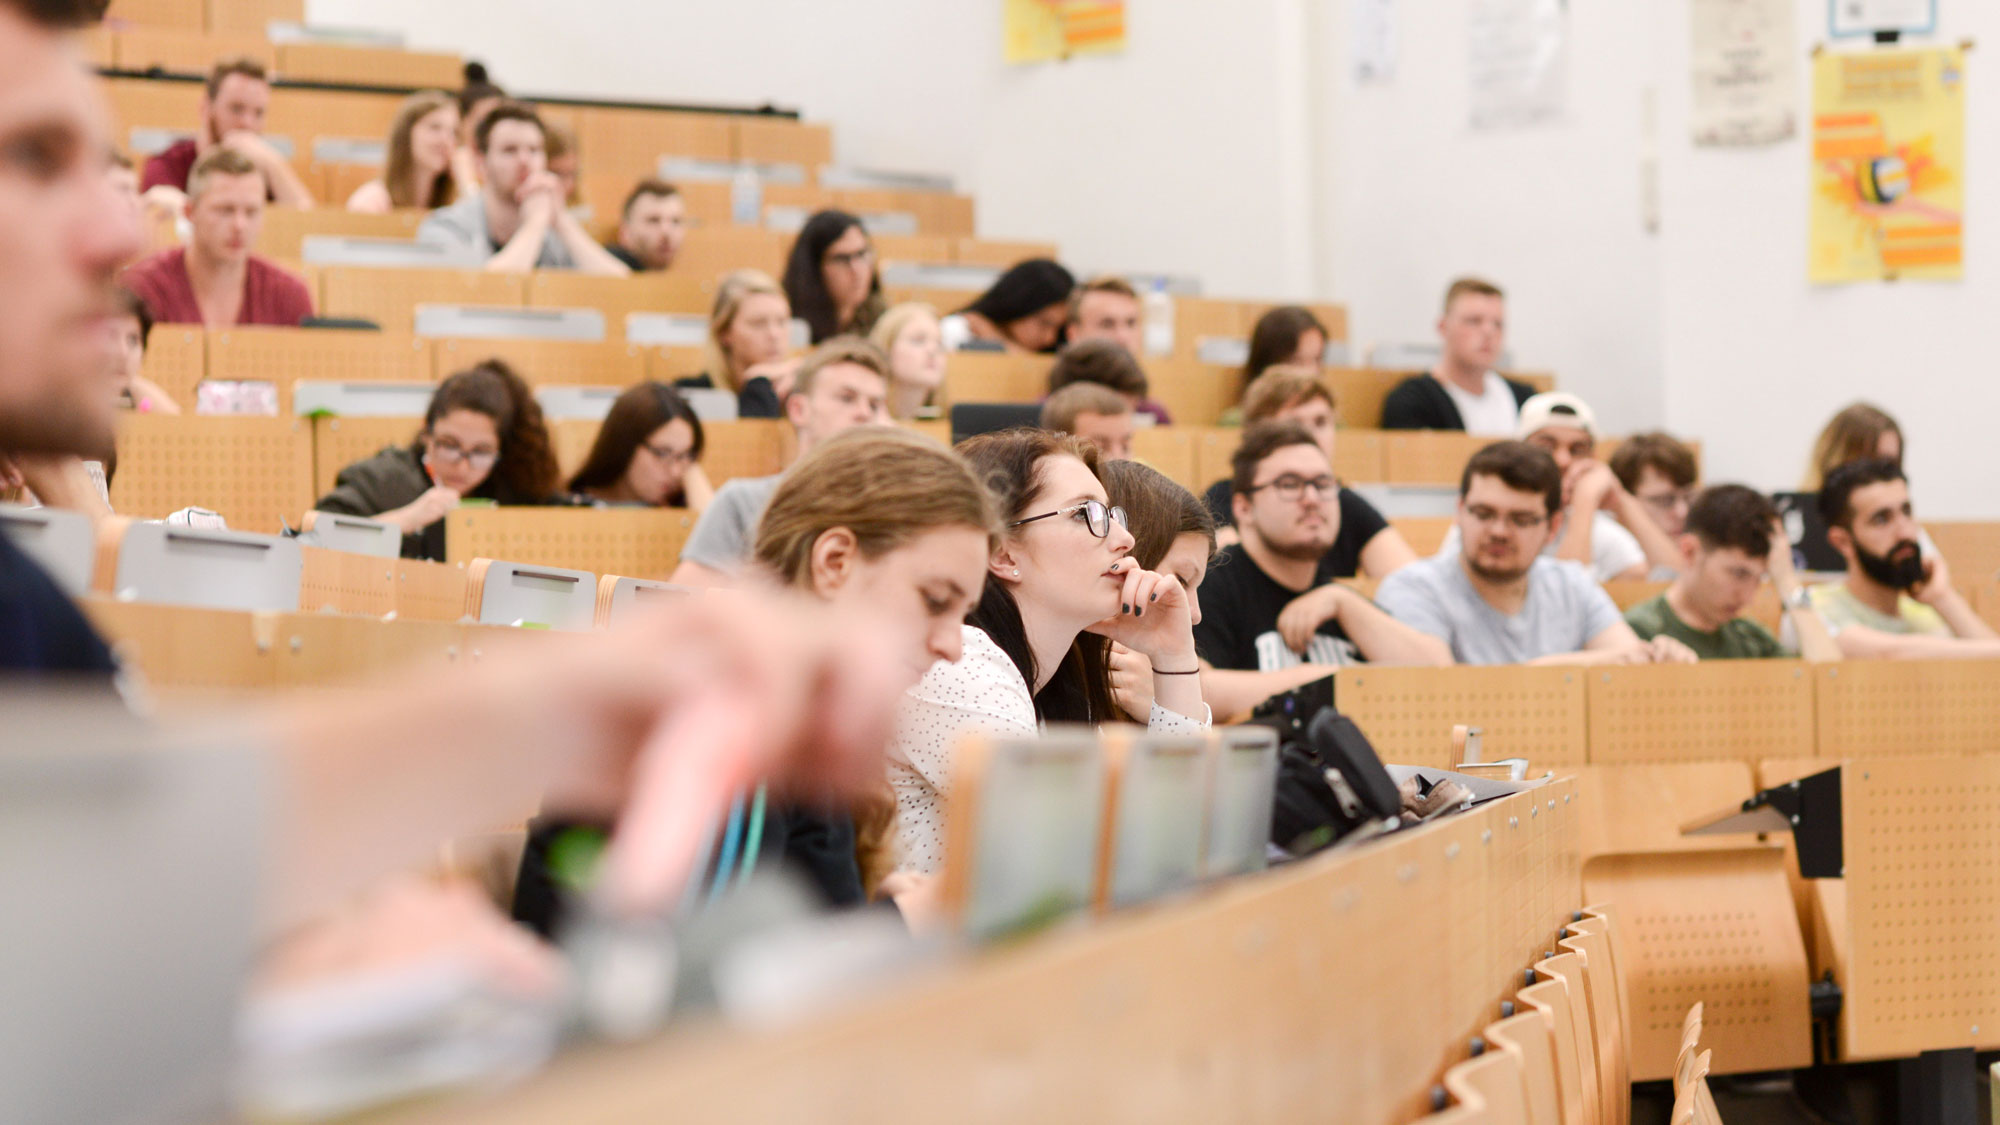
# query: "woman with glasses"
x,y
1060,587
483,438
830,277
647,454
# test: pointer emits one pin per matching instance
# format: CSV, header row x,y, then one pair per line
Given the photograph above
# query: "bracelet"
x,y
1164,672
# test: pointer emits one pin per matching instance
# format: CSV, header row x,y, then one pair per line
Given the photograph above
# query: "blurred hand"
x,y
920,899
1666,650
1588,485
436,503
781,373
1303,616
254,148
1131,682
1936,582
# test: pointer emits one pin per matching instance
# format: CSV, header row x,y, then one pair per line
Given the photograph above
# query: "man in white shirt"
x,y
1463,392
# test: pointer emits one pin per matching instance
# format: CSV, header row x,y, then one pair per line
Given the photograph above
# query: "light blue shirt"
x,y
1564,609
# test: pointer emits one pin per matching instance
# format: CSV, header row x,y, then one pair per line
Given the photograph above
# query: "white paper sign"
x,y
1866,17
1744,72
1518,62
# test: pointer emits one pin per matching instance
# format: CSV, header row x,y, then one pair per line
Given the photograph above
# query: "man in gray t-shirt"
x,y
516,221
844,383
1497,601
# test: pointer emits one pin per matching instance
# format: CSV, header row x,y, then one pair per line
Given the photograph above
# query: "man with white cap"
x,y
1605,527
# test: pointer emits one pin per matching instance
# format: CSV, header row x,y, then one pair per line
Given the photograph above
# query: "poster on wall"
x,y
1744,72
1888,166
1048,30
1519,62
1866,17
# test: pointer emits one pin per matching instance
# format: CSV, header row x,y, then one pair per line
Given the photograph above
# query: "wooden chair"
x,y
538,597
287,356
389,297
1566,969
1488,1090
643,542
545,362
198,567
1530,1037
255,472
1600,982
1552,1001
618,597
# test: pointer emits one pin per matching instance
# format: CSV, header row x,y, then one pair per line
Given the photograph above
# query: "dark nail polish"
x,y
1124,608
1155,597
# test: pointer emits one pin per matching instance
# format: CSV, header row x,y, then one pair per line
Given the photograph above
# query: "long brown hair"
x,y
635,414
526,471
1853,434
1013,466
1275,338
1159,511
887,486
402,158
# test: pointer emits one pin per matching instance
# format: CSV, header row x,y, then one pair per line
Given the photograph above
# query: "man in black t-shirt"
x,y
1266,625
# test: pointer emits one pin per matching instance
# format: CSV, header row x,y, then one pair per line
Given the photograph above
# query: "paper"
x,y
1518,65
1373,30
1866,17
1047,30
1888,166
1744,73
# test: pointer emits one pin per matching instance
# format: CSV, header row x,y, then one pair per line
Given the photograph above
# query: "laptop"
x,y
970,418
1807,532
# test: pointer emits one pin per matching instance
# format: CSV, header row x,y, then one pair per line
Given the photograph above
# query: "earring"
x,y
1017,572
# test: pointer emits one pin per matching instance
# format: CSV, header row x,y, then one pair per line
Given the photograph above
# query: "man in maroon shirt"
x,y
232,116
215,280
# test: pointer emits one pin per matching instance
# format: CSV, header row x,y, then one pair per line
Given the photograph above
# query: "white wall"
x,y
1171,157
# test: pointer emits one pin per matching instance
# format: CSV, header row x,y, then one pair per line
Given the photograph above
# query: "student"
x,y
1659,471
1107,364
1095,413
1366,545
652,225
830,277
565,160
890,525
1501,600
1727,546
1287,335
482,438
749,332
1024,310
1858,432
517,220
909,335
647,454
1171,535
1897,602
1605,528
1057,587
215,280
131,330
1269,626
842,384
1463,392
1107,308
477,98
233,104
418,171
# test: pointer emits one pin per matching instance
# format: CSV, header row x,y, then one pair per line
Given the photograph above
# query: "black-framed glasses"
x,y
1096,516
669,455
1291,486
852,257
449,453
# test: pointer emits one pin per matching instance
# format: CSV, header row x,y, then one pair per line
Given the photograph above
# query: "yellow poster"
x,y
1046,30
1888,177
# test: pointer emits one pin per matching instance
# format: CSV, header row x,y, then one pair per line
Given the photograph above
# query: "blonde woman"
x,y
1858,432
749,332
418,172
908,334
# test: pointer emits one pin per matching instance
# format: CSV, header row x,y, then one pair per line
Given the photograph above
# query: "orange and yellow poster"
x,y
1888,176
1046,30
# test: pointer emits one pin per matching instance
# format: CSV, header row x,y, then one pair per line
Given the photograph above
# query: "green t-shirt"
x,y
1741,639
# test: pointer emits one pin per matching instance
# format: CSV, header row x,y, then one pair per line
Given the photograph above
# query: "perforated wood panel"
x,y
429,591
1194,393
344,582
257,472
340,442
1425,534
1715,927
1408,713
187,51
389,297
1971,547
711,251
1922,848
1358,393
669,364
1635,808
997,253
749,447
285,228
619,297
1746,710
370,66
548,362
1875,708
182,650
996,377
1170,449
253,15
1305,1006
571,439
776,140
286,355
176,356
307,113
1428,456
1357,456
640,543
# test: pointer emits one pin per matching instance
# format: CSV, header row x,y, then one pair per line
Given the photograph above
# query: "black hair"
x,y
1731,515
1519,466
134,306
1025,289
1836,495
805,286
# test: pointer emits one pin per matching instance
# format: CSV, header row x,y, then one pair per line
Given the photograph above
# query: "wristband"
x,y
1164,672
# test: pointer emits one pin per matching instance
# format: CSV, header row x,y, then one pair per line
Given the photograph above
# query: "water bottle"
x,y
1159,319
746,197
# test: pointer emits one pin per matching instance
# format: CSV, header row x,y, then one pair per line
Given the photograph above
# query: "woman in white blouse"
x,y
1060,588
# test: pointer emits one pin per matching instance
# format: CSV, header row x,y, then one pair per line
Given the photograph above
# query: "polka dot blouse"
x,y
983,692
